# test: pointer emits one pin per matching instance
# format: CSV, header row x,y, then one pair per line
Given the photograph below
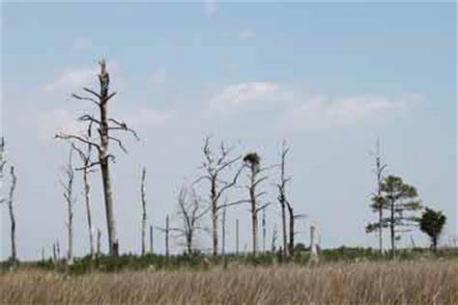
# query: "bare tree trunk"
x,y
12,216
264,230
167,230
284,233
379,170
392,230
151,248
68,195
254,218
291,231
223,251
237,240
282,197
214,216
143,197
88,211
99,240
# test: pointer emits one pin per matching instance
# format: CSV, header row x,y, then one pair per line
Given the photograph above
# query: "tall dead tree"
x,y
378,204
104,125
253,162
215,167
282,196
190,213
143,201
67,185
223,237
85,158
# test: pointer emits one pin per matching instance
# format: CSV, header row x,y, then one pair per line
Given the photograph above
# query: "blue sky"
x,y
328,78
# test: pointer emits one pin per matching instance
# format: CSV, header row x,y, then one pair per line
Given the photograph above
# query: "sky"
x,y
328,78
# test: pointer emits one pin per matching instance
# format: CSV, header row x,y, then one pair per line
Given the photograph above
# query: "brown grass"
x,y
409,283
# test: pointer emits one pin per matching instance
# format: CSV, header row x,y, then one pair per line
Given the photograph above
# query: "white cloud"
x,y
55,121
73,79
82,44
299,110
321,112
247,34
210,7
144,117
236,96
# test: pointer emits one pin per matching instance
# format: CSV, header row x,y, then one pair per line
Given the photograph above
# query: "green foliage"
x,y
432,223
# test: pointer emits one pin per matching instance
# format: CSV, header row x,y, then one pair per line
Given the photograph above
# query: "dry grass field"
x,y
369,283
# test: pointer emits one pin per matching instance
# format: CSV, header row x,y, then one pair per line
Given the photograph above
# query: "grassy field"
x,y
371,283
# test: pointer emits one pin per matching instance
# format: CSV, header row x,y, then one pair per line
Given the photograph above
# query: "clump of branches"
x,y
216,166
190,213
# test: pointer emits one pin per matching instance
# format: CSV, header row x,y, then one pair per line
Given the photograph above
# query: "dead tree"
x,y
68,196
85,158
237,239
264,230
166,231
99,244
143,201
377,202
223,237
288,246
253,162
104,125
151,248
274,239
10,203
292,219
190,214
2,163
215,165
282,196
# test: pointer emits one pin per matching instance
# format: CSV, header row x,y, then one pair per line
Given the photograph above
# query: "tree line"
x,y
395,202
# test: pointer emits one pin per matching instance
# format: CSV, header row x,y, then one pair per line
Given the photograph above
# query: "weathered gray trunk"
x,y
284,233
88,210
237,237
254,213
12,216
214,210
151,245
105,165
99,245
167,229
143,198
392,230
291,231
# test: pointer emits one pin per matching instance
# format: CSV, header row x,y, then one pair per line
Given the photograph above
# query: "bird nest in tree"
x,y
252,158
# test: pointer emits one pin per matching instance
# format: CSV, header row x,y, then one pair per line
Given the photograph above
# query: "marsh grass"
x,y
371,283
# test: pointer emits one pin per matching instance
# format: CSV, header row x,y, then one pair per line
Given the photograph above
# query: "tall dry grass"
x,y
409,283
